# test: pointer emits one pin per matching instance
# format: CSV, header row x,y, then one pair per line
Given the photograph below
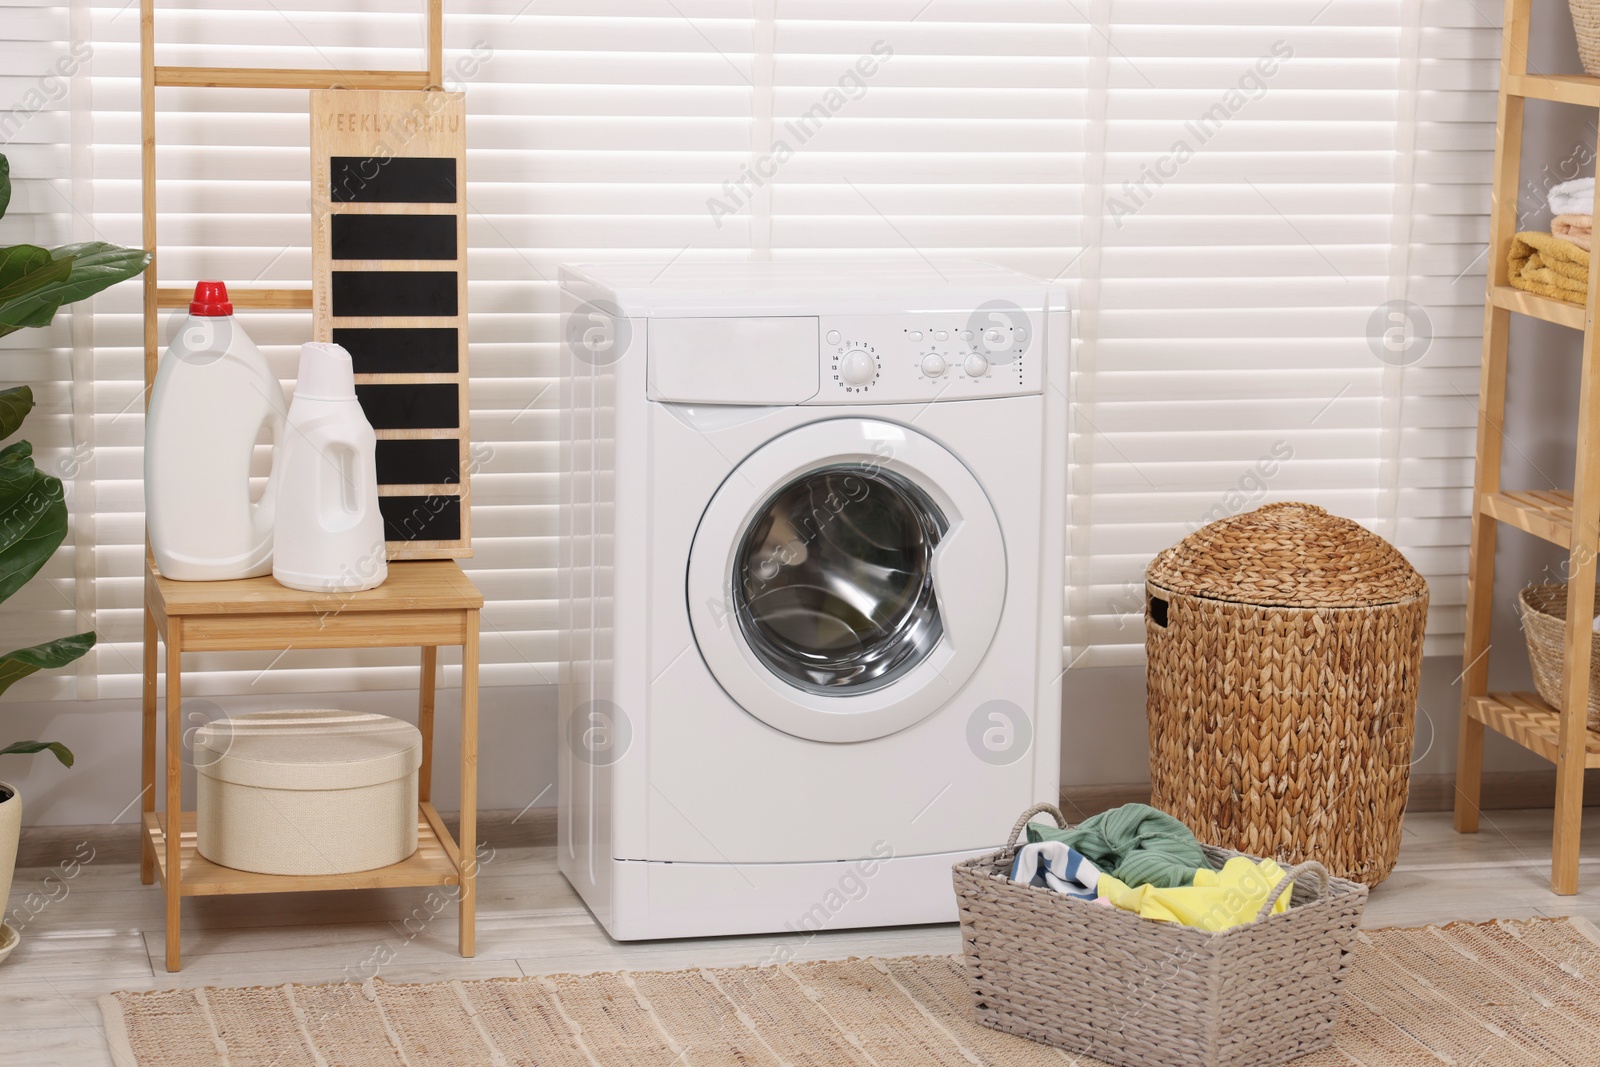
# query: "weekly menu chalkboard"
x,y
389,283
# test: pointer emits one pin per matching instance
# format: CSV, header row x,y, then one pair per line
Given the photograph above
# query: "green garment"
x,y
1136,844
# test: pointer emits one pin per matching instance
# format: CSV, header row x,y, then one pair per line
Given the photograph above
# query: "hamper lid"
x,y
299,749
1288,555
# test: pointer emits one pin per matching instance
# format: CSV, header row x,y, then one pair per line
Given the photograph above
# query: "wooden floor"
x,y
101,930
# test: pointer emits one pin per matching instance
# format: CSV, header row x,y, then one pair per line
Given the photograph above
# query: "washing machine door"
x,y
846,579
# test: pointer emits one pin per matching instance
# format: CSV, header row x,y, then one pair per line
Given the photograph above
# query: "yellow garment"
x,y
1550,266
1217,900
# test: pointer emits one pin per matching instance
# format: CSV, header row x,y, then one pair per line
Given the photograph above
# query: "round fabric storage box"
x,y
307,792
1284,650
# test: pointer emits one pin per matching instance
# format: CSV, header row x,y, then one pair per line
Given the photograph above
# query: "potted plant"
x,y
34,282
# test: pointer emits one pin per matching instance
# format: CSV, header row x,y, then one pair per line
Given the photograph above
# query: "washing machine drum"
x,y
846,580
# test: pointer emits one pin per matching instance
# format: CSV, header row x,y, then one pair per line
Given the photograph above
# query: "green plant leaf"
x,y
97,265
22,748
20,267
34,521
15,403
28,275
17,474
31,292
17,665
5,184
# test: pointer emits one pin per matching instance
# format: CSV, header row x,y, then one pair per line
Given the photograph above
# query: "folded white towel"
x,y
1053,865
1573,198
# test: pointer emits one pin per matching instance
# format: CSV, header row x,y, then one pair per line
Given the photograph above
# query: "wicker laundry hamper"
x,y
1544,624
1106,983
1284,648
1586,22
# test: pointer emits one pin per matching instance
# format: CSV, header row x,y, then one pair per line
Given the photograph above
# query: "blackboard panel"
x,y
396,180
432,462
430,406
387,190
401,350
420,518
394,236
358,293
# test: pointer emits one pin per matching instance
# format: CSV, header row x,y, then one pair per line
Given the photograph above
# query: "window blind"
x,y
1287,286
1225,307
617,130
42,133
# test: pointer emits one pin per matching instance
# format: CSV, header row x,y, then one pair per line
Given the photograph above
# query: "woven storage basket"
x,y
1106,983
1586,22
1284,648
1544,624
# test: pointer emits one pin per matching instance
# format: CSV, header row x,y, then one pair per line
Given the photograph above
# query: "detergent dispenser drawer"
x,y
758,361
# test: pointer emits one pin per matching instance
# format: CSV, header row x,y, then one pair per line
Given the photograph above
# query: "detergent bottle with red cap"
x,y
214,394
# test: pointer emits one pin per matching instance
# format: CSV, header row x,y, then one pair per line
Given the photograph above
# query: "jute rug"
x,y
1505,993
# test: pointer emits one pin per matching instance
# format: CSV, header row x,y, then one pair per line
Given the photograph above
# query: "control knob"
x,y
975,366
933,365
857,367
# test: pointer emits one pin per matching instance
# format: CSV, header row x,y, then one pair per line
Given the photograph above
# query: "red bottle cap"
x,y
210,299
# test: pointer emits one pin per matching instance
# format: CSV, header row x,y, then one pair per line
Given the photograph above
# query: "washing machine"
x,y
811,586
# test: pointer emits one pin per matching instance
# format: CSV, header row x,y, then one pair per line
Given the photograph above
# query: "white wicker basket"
x,y
307,792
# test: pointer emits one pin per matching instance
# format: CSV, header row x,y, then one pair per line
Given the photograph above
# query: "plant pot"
x,y
10,832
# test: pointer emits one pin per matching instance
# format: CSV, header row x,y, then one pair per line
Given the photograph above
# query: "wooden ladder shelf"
x,y
423,604
152,77
1561,736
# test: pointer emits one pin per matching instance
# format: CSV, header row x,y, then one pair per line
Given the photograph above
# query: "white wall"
x,y
1104,739
516,749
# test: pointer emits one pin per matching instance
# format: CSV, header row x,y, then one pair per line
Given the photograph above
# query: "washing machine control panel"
x,y
996,350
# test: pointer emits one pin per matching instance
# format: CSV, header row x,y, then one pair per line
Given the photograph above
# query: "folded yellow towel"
x,y
1579,229
1550,266
1217,901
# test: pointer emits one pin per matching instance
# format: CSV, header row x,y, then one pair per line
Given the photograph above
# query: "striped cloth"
x,y
1057,867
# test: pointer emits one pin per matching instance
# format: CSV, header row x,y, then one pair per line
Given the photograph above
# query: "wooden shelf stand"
x,y
1559,735
424,604
436,862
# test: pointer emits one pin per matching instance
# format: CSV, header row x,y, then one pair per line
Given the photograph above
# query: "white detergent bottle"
x,y
330,532
212,395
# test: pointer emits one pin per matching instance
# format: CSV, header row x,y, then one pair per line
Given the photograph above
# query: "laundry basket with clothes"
x,y
1125,939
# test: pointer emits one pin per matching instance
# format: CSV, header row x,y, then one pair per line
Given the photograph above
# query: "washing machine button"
x,y
994,337
933,365
941,335
833,337
857,367
975,366
915,335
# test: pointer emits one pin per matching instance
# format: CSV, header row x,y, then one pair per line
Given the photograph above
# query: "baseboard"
x,y
47,846
1501,790
1078,802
